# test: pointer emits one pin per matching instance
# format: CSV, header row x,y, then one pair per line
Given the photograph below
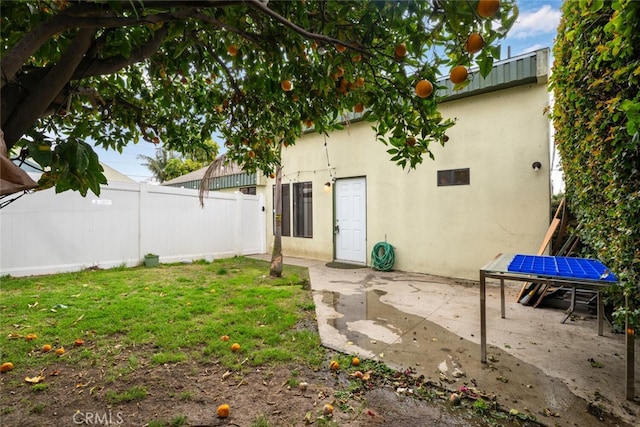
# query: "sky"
x,y
535,29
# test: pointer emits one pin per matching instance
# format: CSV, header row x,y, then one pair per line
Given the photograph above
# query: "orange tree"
x,y
177,72
254,72
596,83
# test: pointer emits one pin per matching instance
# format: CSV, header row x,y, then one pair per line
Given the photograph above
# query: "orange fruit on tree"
x,y
359,82
424,88
359,107
400,51
286,85
339,72
46,348
252,154
458,74
60,351
341,48
474,43
232,49
223,411
487,8
235,347
308,123
6,367
410,141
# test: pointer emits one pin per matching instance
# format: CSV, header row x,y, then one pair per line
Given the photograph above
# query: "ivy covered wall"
x,y
596,84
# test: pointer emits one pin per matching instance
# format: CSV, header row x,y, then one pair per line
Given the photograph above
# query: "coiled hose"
x,y
382,256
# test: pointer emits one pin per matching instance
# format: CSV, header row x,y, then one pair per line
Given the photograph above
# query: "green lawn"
x,y
178,311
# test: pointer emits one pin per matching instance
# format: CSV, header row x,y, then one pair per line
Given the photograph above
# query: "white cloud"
x,y
528,49
531,24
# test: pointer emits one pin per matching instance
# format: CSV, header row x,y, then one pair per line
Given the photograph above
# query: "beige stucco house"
x,y
481,196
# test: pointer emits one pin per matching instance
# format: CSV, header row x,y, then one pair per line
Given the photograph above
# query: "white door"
x,y
350,227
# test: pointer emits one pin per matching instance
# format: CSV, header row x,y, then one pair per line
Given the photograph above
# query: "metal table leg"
x,y
569,311
600,314
502,311
483,318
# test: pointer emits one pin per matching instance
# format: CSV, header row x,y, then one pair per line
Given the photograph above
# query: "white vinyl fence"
x,y
45,232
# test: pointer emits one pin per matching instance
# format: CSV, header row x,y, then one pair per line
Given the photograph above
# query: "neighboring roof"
x,y
188,177
110,173
221,169
113,175
523,69
223,176
528,68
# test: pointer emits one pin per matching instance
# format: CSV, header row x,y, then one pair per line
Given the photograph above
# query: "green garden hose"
x,y
382,256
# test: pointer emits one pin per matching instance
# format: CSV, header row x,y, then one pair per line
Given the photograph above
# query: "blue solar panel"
x,y
566,267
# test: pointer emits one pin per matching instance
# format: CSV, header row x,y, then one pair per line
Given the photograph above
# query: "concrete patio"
x,y
561,373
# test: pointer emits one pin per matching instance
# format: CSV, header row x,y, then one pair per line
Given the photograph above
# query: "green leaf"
x,y
486,65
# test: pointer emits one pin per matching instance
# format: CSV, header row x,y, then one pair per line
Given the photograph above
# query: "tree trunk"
x,y
37,101
276,256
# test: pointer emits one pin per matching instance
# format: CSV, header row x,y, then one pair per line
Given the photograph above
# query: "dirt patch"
x,y
188,394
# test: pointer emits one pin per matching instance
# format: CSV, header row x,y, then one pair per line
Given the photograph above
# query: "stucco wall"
x,y
448,230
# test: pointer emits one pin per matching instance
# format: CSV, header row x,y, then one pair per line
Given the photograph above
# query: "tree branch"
x,y
32,106
111,65
262,7
81,16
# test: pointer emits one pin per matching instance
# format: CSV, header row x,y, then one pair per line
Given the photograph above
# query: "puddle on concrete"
x,y
398,338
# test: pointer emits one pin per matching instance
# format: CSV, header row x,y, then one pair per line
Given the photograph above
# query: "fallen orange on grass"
x,y
6,367
31,337
60,351
223,411
334,365
355,361
235,347
46,348
225,338
327,409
